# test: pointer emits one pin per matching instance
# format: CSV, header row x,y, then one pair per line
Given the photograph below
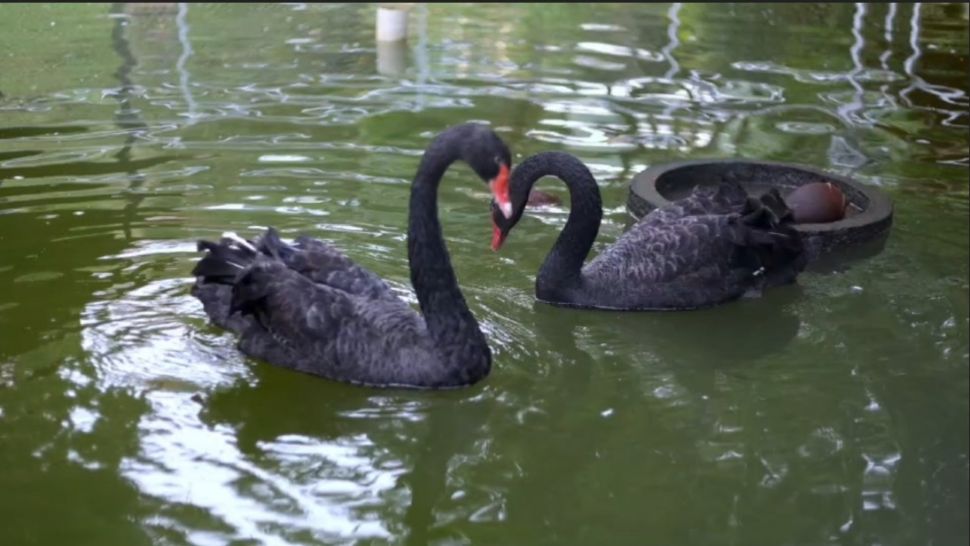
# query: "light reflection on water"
x,y
836,408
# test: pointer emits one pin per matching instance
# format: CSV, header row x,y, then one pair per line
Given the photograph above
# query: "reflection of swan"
x,y
718,337
309,308
709,248
249,408
420,435
712,338
450,431
620,420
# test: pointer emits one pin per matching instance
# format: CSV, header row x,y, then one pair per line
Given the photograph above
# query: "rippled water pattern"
x,y
832,412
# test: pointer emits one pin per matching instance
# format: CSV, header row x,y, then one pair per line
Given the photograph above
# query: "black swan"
x,y
307,307
711,247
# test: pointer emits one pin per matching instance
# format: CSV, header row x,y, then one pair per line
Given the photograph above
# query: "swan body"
x,y
714,246
307,307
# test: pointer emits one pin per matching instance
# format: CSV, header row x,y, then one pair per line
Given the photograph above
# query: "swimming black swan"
x,y
711,247
308,307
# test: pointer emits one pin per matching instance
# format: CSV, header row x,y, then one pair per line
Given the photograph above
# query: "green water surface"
x,y
831,412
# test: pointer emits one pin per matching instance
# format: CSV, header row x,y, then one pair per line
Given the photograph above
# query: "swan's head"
x,y
506,214
488,156
503,221
484,151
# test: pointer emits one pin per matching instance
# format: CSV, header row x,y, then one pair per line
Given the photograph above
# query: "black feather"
x,y
223,261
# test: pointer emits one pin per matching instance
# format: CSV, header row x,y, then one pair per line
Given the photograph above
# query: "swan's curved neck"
x,y
563,265
450,323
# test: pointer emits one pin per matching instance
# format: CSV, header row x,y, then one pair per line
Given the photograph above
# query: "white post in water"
x,y
392,22
391,34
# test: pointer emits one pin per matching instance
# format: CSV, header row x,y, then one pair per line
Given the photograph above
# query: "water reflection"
x,y
128,118
392,58
358,436
181,20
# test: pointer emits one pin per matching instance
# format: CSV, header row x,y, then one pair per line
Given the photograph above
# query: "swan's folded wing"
x,y
725,198
660,253
321,329
332,267
324,264
686,263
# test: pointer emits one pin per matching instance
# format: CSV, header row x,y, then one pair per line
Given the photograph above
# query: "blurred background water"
x,y
834,411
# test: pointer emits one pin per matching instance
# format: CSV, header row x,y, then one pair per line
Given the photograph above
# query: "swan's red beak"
x,y
497,237
500,190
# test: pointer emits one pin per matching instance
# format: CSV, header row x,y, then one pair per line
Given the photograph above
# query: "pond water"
x,y
834,411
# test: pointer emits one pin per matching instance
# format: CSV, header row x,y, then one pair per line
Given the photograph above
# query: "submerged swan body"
x,y
307,307
711,247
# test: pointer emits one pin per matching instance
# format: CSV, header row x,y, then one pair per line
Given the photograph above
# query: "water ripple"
x,y
136,133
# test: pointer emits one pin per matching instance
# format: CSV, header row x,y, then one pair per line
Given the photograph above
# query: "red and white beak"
x,y
497,237
500,190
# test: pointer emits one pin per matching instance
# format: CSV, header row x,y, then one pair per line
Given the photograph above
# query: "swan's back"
x,y
723,198
318,261
322,263
320,329
282,316
692,254
308,308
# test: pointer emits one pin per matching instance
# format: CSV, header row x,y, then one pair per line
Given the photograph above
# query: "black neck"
x,y
564,263
450,323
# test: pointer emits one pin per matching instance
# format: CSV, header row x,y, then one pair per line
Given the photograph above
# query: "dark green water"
x,y
832,412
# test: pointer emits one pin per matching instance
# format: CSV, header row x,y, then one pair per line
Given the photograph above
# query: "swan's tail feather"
x,y
224,260
233,237
730,192
773,201
725,197
252,287
771,234
272,245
